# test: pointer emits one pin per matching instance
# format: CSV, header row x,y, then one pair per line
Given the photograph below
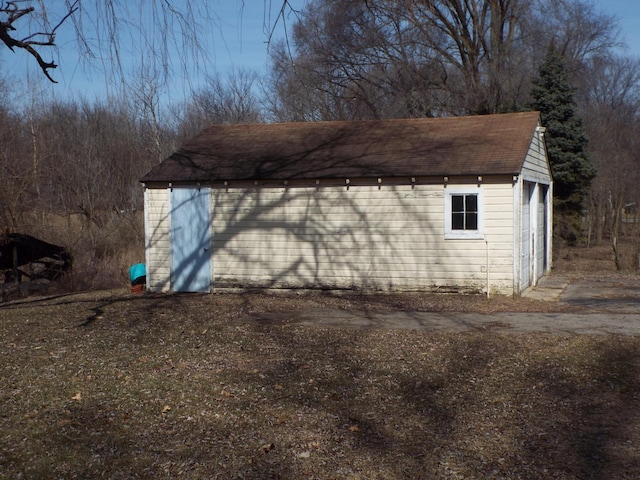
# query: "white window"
x,y
463,213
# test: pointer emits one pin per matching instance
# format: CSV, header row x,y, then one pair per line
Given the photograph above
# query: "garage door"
x,y
525,248
541,233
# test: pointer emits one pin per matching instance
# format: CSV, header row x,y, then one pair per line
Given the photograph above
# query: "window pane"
x,y
471,203
457,203
457,221
472,221
464,212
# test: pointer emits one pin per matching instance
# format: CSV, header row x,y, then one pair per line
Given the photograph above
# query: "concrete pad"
x,y
552,281
606,294
549,288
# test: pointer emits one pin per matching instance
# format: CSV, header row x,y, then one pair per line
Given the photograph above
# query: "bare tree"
x,y
611,106
229,99
109,32
42,35
15,192
411,58
476,42
578,30
384,58
144,93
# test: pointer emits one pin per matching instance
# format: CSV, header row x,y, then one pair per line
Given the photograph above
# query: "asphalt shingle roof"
x,y
477,145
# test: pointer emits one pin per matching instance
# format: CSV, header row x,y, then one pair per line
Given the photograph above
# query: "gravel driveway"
x,y
603,305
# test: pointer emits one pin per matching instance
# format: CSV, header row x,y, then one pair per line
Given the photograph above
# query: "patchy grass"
x,y
597,259
183,386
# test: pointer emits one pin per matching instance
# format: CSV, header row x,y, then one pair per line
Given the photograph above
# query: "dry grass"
x,y
184,386
597,259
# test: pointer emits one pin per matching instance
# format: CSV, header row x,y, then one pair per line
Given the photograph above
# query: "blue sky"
x,y
237,39
628,13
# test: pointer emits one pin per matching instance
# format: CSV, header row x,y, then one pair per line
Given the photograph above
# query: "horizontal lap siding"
x,y
158,240
307,237
499,235
389,238
536,166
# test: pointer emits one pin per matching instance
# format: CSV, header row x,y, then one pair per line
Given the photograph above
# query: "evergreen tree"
x,y
553,96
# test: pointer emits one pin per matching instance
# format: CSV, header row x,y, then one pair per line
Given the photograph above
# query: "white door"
x,y
525,247
541,244
191,239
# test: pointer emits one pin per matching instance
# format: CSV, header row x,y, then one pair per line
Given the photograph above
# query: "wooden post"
x,y
16,272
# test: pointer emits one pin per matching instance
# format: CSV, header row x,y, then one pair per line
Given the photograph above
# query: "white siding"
x,y
534,248
158,244
536,167
388,237
499,236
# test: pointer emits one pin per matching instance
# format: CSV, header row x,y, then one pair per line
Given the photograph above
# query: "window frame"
x,y
449,232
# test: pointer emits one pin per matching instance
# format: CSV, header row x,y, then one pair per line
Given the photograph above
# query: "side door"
x,y
191,239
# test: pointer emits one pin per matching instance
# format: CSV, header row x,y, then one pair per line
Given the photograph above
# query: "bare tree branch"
x,y
28,43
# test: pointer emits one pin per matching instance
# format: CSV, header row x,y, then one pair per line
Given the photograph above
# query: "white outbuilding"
x,y
459,204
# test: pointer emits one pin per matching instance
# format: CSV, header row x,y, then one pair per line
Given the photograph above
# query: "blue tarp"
x,y
137,271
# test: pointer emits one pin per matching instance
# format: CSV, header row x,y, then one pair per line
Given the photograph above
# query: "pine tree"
x,y
572,170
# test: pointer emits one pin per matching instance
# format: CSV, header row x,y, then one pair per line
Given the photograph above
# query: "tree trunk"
x,y
615,229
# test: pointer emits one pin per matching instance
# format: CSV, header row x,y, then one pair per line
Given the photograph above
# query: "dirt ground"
x,y
113,385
